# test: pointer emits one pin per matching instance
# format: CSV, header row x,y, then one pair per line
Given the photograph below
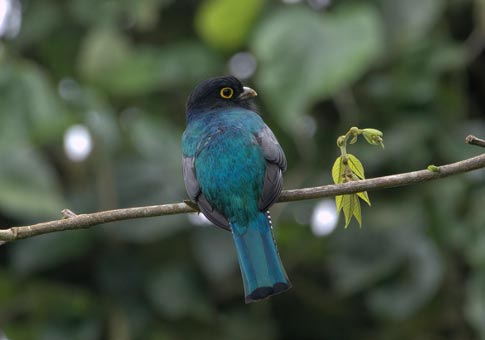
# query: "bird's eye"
x,y
226,92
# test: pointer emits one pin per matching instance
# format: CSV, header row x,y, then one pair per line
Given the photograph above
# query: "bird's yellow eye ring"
x,y
226,92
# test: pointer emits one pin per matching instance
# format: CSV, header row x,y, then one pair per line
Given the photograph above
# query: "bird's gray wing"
x,y
212,214
191,184
275,165
193,190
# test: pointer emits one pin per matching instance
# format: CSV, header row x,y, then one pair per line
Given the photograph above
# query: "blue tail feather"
x,y
262,271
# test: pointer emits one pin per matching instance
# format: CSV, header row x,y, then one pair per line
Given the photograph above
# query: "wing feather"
x,y
275,166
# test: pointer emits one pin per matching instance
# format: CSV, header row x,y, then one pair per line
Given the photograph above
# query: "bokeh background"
x,y
92,96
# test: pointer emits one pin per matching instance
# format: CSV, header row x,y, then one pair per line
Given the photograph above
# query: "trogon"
x,y
232,168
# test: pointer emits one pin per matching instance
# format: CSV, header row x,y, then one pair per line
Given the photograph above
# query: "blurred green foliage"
x,y
413,69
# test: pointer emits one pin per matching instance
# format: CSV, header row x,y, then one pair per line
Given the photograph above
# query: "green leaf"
x,y
409,22
138,71
28,182
368,138
154,69
339,202
28,96
338,170
351,207
331,50
102,52
146,13
141,15
373,136
28,186
42,105
225,24
346,206
185,63
363,195
38,22
357,212
356,166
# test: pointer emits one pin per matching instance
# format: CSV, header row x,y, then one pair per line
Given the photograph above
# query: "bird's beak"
x,y
247,93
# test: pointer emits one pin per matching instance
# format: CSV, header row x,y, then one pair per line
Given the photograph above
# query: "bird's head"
x,y
219,93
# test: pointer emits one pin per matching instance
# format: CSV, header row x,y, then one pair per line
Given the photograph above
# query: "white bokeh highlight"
x,y
242,65
324,218
78,143
10,18
69,89
308,126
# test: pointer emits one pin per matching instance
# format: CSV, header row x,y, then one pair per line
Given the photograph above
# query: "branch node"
x,y
192,205
66,213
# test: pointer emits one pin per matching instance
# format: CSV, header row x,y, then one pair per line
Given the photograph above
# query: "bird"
x,y
233,170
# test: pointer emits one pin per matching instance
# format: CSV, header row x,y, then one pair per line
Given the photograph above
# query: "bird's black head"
x,y
217,93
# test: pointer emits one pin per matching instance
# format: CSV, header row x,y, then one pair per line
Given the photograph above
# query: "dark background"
x,y
114,75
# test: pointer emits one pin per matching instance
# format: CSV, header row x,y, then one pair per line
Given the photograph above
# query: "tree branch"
x,y
71,221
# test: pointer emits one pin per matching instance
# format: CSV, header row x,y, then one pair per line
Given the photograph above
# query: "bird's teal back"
x,y
230,165
231,171
206,124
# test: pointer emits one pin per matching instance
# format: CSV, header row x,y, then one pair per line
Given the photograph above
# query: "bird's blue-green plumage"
x,y
232,169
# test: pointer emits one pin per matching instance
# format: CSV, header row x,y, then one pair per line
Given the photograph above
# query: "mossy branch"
x,y
71,221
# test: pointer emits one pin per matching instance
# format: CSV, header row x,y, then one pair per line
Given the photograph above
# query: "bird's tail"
x,y
262,271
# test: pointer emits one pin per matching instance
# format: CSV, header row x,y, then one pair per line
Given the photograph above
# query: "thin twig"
x,y
72,221
471,139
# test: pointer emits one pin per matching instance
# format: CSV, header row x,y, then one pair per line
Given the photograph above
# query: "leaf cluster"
x,y
348,168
